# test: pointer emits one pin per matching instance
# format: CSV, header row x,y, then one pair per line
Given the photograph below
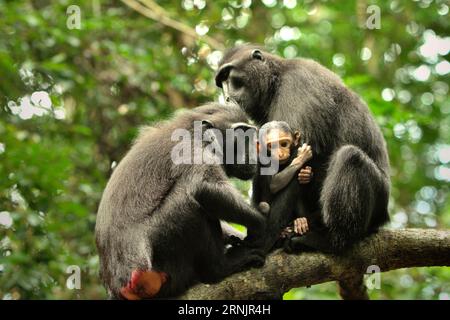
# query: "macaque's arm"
x,y
281,179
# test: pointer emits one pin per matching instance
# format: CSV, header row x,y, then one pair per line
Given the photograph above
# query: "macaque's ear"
x,y
244,126
257,54
207,124
297,136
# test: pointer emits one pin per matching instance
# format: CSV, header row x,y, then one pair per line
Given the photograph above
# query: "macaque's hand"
x,y
304,154
301,226
305,175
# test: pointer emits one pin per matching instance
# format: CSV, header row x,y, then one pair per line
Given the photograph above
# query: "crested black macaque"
x,y
158,227
279,144
350,189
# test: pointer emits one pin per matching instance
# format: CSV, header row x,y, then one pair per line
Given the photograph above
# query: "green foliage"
x,y
122,70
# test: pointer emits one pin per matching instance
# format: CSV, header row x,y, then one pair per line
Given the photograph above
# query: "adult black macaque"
x,y
158,229
350,189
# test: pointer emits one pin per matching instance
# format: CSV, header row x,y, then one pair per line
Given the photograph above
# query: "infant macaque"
x,y
282,144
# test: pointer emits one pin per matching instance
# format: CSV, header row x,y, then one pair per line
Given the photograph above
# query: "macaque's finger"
x,y
305,171
303,180
305,225
301,225
304,176
309,170
296,226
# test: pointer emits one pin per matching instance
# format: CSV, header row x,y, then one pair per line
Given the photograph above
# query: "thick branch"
x,y
152,10
388,249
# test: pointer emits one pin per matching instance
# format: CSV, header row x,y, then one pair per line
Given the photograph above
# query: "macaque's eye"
x,y
284,144
237,82
269,146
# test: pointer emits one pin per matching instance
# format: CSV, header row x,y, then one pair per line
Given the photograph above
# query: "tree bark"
x,y
386,250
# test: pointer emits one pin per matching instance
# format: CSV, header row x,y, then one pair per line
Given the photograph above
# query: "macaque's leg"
x,y
311,241
305,175
218,264
143,284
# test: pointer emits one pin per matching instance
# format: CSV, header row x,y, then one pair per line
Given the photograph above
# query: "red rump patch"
x,y
143,284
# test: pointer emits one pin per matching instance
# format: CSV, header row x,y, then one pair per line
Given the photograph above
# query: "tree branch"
x,y
388,249
152,10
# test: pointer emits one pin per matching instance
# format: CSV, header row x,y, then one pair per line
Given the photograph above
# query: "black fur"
x,y
161,216
349,192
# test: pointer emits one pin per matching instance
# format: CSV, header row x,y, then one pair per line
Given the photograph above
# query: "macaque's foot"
x,y
286,232
264,207
258,258
301,226
253,241
295,244
305,175
143,284
304,154
250,258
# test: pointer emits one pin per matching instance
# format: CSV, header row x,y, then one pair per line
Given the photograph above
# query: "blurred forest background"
x,y
71,101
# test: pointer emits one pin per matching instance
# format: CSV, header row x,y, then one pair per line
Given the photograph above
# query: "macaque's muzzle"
x,y
283,156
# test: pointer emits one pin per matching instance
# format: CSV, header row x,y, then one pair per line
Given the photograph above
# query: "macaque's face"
x,y
279,143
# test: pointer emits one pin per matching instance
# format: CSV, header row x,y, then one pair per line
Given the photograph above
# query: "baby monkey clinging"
x,y
280,143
